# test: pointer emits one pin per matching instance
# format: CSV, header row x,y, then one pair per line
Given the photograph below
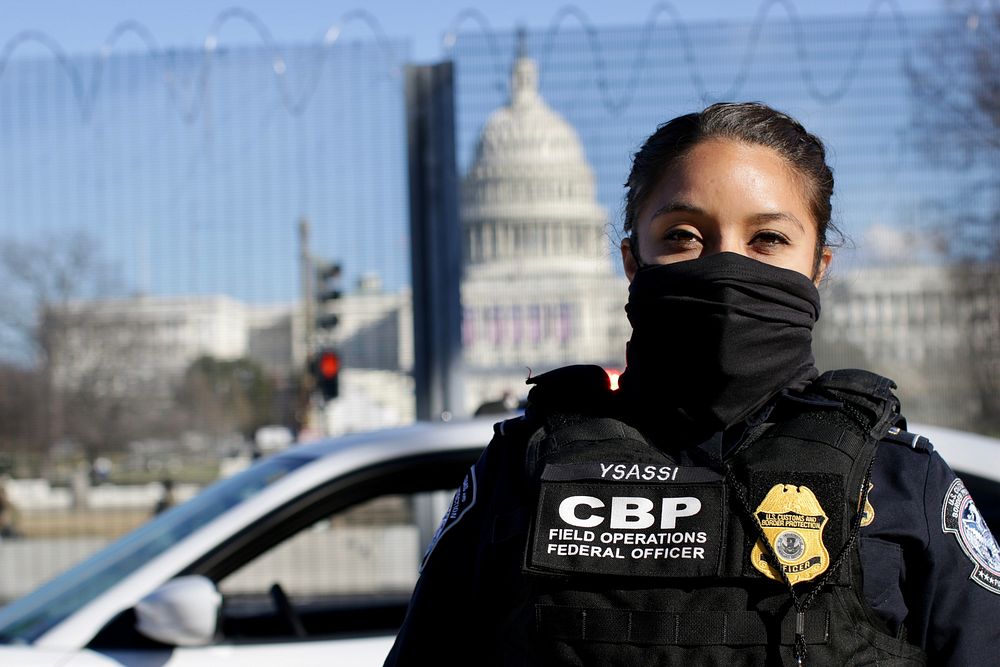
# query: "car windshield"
x,y
28,618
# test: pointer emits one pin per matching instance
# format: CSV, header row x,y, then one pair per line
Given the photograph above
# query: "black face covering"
x,y
716,337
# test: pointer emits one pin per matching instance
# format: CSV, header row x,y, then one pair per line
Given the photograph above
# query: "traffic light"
x,y
326,371
327,292
327,320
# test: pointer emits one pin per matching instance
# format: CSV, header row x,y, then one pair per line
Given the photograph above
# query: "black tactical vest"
x,y
632,558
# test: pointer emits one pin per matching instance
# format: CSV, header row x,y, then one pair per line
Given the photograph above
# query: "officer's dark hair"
x,y
747,122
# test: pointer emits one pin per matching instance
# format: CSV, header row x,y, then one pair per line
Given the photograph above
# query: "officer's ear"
x,y
628,259
822,264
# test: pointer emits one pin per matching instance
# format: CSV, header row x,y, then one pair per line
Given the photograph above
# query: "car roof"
x,y
416,438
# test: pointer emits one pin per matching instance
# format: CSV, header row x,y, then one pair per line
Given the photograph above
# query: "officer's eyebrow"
x,y
677,207
764,218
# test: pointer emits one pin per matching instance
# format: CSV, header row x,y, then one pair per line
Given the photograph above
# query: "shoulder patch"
x,y
960,517
465,498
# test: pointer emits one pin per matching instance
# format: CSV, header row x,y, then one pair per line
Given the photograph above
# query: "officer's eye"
x,y
679,236
769,240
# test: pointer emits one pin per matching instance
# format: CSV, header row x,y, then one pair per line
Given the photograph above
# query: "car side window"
x,y
347,573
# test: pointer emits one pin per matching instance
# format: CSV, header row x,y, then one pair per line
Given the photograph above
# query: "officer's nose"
x,y
713,245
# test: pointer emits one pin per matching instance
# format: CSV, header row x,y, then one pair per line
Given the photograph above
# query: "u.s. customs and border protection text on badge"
x,y
793,522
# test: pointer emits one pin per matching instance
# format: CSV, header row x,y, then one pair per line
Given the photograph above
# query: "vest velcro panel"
x,y
665,628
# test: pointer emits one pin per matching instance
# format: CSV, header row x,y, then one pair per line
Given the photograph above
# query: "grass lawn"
x,y
81,523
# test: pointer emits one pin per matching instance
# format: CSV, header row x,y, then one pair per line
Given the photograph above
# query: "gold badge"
x,y
868,513
793,522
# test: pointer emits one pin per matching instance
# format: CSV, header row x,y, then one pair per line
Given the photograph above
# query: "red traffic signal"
x,y
329,364
326,371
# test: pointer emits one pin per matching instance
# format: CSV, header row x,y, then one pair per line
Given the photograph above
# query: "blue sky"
x,y
81,26
209,205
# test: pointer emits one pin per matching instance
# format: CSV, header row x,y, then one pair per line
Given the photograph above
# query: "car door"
x,y
322,580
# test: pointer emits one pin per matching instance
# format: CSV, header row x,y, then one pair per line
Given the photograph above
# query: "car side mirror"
x,y
182,612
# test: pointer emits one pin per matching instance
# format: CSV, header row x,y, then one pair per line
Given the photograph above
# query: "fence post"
x,y
435,241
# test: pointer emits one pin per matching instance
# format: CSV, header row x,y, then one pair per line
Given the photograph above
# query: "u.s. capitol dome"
x,y
539,290
528,201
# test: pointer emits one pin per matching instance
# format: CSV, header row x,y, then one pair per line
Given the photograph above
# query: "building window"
x,y
468,326
565,322
498,325
534,324
549,321
517,325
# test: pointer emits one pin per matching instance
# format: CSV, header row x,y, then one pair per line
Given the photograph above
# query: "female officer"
x,y
728,505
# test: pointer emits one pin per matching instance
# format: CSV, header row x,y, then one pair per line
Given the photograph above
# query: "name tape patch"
x,y
610,471
627,528
961,517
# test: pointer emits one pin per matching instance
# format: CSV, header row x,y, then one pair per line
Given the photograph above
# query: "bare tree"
x,y
45,275
955,84
22,417
75,357
221,396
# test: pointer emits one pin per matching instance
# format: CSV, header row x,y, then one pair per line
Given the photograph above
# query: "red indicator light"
x,y
613,375
329,364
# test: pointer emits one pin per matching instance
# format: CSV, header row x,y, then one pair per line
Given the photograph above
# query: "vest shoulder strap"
x,y
865,397
580,390
577,414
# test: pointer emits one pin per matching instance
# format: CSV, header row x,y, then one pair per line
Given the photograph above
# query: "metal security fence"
x,y
153,259
151,217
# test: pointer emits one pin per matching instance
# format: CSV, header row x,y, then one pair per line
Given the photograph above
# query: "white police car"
x,y
308,557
